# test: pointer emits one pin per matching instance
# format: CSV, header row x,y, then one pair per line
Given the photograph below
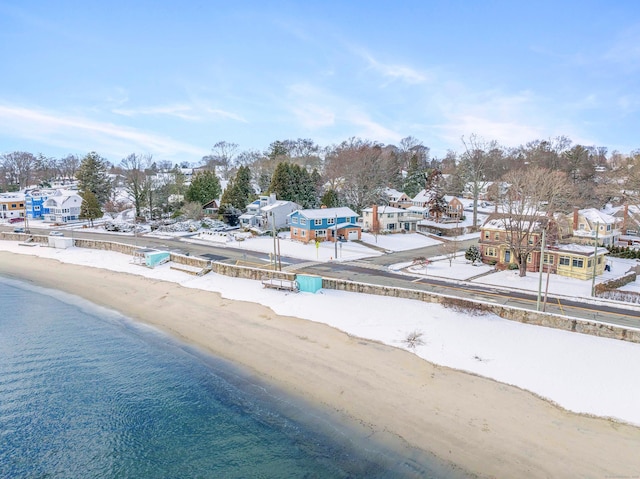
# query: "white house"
x,y
389,218
63,207
263,212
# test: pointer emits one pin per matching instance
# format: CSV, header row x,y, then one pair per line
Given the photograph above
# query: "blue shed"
x,y
309,284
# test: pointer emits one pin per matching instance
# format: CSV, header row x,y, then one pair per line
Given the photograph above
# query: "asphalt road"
x,y
374,270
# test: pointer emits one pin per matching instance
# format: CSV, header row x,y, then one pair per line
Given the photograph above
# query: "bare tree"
x,y
358,170
449,250
528,205
474,162
69,166
222,158
135,178
114,207
18,167
192,210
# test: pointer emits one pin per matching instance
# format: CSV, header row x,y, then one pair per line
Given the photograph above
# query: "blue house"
x,y
34,202
324,224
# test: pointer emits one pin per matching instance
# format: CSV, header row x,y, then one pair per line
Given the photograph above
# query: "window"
x,y
317,222
589,264
548,259
565,261
496,236
486,235
303,233
390,215
491,252
529,258
294,219
581,226
295,231
577,263
599,259
303,221
321,233
608,227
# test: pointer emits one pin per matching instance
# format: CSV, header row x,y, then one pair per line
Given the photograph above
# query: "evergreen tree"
x,y
282,182
414,181
245,192
239,192
205,186
90,207
330,199
306,191
436,203
92,176
473,254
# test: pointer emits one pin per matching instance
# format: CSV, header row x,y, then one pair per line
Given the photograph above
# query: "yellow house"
x,y
576,261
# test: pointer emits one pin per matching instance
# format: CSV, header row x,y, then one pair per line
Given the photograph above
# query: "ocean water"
x,y
86,393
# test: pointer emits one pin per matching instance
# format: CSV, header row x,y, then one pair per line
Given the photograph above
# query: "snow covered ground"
x,y
582,373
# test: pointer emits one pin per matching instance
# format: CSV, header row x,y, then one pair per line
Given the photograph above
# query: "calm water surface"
x,y
85,393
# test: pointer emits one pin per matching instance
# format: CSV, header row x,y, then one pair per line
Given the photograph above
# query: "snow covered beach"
x,y
581,373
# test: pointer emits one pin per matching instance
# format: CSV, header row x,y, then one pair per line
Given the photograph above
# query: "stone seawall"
x,y
473,307
464,305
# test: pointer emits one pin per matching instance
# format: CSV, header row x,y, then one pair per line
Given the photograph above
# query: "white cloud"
x,y
78,133
395,71
370,129
182,111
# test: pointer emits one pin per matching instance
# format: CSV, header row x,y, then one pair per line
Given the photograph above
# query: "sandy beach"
x,y
484,427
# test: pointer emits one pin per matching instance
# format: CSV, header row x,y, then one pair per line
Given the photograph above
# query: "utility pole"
x,y
595,258
335,237
275,250
541,269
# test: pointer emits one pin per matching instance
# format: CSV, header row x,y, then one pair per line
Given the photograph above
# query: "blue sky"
x,y
172,78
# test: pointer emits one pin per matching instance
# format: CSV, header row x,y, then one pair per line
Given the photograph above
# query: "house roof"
x,y
581,249
499,220
277,204
326,213
386,209
593,216
61,197
421,197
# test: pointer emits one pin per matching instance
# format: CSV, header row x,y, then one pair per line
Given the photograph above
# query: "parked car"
x,y
20,229
56,233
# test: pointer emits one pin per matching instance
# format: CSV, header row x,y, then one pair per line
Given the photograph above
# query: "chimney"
x,y
625,218
575,218
375,223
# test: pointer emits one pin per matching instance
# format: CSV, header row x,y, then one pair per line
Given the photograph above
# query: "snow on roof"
x,y
501,223
593,215
417,209
386,209
421,197
580,249
326,212
392,193
277,204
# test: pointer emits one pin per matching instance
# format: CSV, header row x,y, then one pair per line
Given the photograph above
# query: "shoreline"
x,y
482,426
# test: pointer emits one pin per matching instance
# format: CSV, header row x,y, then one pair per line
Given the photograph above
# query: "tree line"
x,y
353,173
